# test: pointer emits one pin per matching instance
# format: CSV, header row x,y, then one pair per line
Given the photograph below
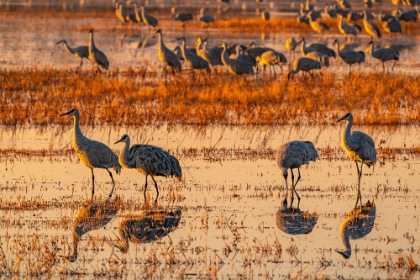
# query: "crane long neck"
x,y
77,132
337,45
225,57
371,49
91,43
184,49
345,237
123,239
68,48
125,156
74,252
346,133
161,45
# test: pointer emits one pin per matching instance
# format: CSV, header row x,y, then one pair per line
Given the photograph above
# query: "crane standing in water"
x,y
80,51
96,56
360,147
92,153
148,160
293,155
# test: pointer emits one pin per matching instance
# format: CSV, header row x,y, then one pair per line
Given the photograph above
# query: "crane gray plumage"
x,y
148,19
166,56
350,57
293,221
147,227
384,54
97,56
80,51
212,55
265,15
183,17
178,52
304,64
120,12
271,58
393,25
193,60
345,28
410,15
255,51
330,11
148,160
370,27
317,26
92,216
358,223
241,55
92,153
305,49
344,4
360,147
323,49
235,66
293,155
206,18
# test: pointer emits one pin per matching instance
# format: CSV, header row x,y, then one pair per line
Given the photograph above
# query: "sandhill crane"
x,y
304,48
350,57
303,19
240,55
235,66
212,55
148,160
147,227
137,14
323,59
393,25
358,223
166,56
384,54
148,19
96,56
385,17
293,221
323,49
183,17
265,15
91,216
371,28
254,51
304,64
92,153
194,61
368,3
80,51
291,45
178,52
206,18
271,58
330,11
345,28
317,26
120,12
360,147
293,155
410,15
344,4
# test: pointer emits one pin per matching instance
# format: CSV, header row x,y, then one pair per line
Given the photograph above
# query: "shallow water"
x,y
229,205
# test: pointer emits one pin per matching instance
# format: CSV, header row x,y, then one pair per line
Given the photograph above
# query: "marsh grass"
x,y
120,98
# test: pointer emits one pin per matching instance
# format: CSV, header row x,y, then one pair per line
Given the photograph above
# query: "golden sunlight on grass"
x,y
37,97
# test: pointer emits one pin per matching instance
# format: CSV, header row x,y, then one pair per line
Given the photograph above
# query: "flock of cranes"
x,y
241,60
154,161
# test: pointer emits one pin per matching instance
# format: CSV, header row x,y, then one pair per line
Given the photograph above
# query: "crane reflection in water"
x,y
358,223
147,227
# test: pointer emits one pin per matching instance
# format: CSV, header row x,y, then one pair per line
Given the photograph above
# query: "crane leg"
x,y
113,183
383,67
293,183
395,62
93,183
145,188
285,180
157,190
294,187
359,192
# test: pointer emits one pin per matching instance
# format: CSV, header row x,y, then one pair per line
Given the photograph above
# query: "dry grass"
x,y
37,97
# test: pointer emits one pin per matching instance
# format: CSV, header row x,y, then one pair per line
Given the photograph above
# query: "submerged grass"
x,y
37,97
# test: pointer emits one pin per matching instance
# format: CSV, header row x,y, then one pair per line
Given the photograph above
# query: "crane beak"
x,y
119,141
343,118
59,42
68,113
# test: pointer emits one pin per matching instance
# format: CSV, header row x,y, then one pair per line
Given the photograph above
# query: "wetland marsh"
x,y
223,220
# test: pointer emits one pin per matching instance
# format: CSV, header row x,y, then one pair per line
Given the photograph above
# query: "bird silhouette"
x,y
360,147
97,56
80,51
358,223
92,153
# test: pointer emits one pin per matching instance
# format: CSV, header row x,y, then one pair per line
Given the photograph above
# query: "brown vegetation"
x,y
37,97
